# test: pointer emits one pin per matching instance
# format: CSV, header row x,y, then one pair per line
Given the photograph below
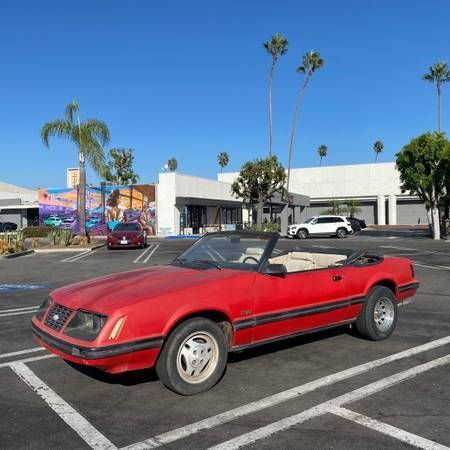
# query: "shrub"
x,y
60,236
11,243
36,232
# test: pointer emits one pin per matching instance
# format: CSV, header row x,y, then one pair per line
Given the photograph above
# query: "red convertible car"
x,y
227,292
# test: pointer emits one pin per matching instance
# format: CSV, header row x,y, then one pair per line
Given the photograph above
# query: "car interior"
x,y
299,261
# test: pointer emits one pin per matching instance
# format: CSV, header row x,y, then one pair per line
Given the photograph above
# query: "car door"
x,y
325,225
297,302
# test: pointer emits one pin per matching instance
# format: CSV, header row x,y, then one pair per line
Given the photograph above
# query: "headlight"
x,y
43,308
85,325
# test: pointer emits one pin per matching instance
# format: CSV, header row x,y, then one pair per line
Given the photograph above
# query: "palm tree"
x,y
439,73
323,152
223,160
276,47
377,148
89,136
172,164
312,61
353,208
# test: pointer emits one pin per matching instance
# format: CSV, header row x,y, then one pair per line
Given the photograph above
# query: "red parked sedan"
x,y
229,291
129,234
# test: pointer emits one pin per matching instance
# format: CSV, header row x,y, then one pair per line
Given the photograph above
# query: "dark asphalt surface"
x,y
133,407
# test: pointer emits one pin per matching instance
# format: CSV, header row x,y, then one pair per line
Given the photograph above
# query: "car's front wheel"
x,y
194,357
378,316
302,234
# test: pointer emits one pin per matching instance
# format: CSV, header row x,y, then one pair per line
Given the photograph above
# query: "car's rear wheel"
x,y
341,233
378,316
194,357
302,234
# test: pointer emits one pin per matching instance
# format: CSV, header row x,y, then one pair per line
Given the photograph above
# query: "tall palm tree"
x,y
377,148
223,160
439,73
89,136
172,164
323,152
312,61
276,47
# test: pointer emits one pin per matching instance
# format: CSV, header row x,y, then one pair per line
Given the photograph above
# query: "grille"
x,y
57,316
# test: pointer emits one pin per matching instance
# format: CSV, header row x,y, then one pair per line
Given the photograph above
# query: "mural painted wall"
x,y
105,207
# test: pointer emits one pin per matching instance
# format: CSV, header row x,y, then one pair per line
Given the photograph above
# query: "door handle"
x,y
337,278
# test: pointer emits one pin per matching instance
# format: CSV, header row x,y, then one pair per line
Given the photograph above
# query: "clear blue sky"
x,y
189,79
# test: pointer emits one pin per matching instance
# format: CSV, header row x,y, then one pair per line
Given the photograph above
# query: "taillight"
x,y
412,271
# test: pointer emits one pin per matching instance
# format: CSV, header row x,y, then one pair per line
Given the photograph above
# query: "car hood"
x,y
108,293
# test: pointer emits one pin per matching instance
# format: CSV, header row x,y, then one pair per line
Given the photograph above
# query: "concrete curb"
x,y
68,249
16,255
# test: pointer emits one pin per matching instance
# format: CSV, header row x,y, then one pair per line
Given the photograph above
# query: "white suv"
x,y
321,225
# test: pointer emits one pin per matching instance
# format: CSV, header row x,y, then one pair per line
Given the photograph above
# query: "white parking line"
x,y
151,253
281,397
21,352
18,309
389,430
18,313
435,267
143,253
77,256
328,406
73,418
27,360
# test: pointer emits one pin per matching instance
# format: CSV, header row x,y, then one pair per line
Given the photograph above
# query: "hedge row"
x,y
36,232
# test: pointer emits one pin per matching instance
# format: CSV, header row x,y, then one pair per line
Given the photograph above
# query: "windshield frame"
x,y
272,239
137,229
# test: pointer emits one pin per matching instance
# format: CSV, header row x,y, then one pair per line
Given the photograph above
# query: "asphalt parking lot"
x,y
327,390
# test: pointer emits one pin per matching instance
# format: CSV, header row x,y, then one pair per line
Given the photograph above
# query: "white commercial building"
x,y
376,188
18,205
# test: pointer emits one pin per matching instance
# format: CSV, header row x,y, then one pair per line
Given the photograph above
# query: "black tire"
x,y
341,233
169,366
302,233
383,326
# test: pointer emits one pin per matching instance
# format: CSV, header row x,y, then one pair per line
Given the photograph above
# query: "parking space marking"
x,y
18,309
18,313
436,267
151,253
78,256
27,360
328,406
281,397
21,352
73,418
389,430
143,253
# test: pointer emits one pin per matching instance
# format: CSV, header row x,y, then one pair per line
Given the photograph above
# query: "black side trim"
x,y
95,352
292,335
409,287
294,313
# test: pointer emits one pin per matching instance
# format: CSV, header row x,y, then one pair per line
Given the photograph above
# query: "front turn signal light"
x,y
116,329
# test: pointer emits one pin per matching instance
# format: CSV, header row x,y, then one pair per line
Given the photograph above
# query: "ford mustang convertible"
x,y
227,292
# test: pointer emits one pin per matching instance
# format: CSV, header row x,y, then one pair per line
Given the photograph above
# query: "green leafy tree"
x,y
119,169
424,166
377,148
323,152
258,181
312,62
276,47
336,208
89,136
438,73
172,164
352,208
223,159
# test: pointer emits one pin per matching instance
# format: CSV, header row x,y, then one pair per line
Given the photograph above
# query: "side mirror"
x,y
277,270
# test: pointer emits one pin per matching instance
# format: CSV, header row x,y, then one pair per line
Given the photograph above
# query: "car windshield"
x,y
127,227
238,250
309,220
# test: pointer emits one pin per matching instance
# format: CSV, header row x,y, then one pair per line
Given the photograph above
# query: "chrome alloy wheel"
x,y
383,314
197,357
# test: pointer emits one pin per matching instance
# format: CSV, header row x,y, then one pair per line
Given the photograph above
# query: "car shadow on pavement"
x,y
287,343
126,378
